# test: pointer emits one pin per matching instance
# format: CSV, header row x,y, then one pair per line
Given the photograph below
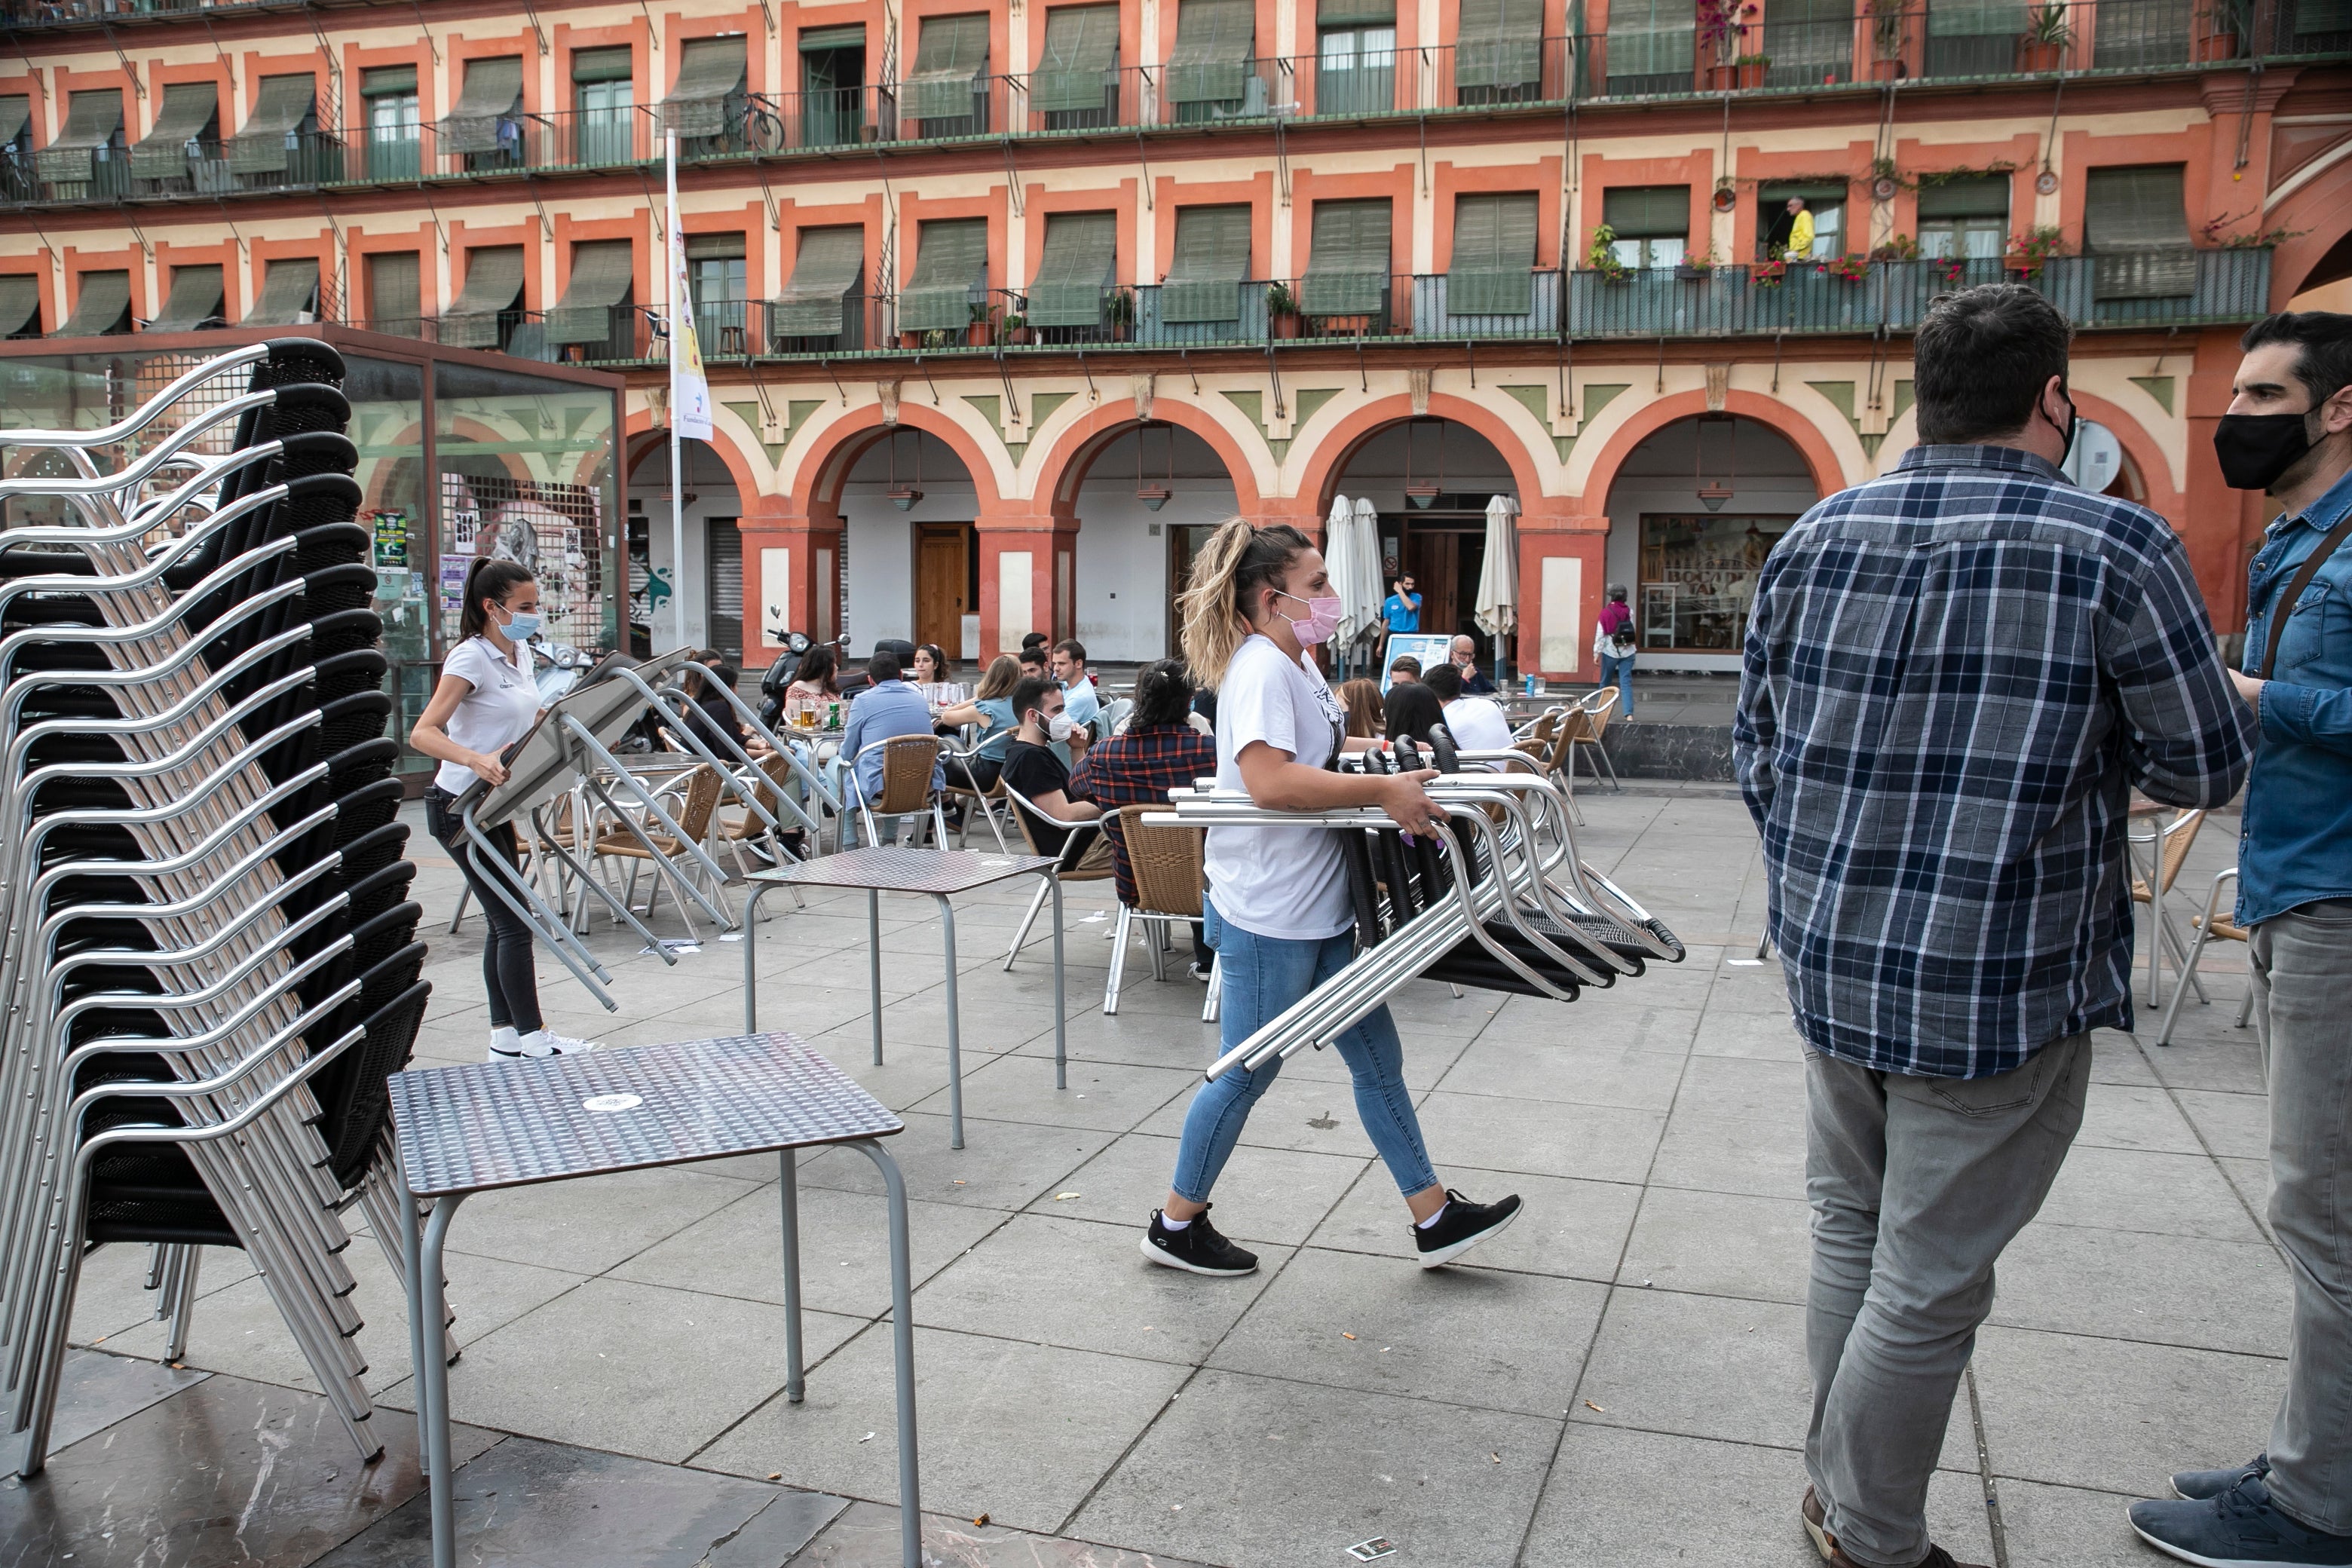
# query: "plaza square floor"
x,y
1619,1379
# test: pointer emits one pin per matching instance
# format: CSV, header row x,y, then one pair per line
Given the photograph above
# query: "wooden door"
x,y
943,570
1435,559
1185,541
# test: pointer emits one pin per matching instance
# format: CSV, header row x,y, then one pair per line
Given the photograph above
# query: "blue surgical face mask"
x,y
524,626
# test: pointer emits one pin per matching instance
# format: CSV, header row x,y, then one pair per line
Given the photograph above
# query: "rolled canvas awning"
x,y
2136,227
15,113
1651,38
1214,40
601,276
1211,262
1976,18
818,40
951,261
948,62
259,147
190,108
1355,13
1080,61
493,92
830,263
288,290
1347,270
1081,252
195,299
102,306
92,121
20,305
709,72
493,285
1500,45
1494,256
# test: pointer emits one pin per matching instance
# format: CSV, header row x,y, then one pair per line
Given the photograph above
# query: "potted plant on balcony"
x,y
983,329
1695,269
1119,312
2214,33
1015,327
1770,273
2029,251
1721,25
1887,30
1282,309
1603,257
2048,35
1852,268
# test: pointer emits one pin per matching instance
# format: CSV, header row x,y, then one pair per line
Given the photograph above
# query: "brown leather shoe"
x,y
1936,1558
1816,1518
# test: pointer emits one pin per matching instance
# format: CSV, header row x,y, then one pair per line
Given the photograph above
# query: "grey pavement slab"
x,y
1597,1142
1003,1165
2157,1289
97,1390
1721,1243
1587,1069
865,1535
1572,1229
2070,1525
2133,1189
1720,1154
1276,1195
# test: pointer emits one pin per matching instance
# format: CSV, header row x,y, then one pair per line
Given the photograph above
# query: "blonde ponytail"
x,y
1237,559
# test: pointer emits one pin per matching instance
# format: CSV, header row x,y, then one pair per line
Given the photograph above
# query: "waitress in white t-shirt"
x,y
486,700
1279,910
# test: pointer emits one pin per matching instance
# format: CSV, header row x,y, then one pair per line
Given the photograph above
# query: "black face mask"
x,y
2074,421
2257,449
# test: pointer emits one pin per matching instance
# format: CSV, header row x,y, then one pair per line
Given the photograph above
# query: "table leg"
x,y
955,1029
874,965
902,1337
751,970
433,1385
412,1256
1061,1024
795,1383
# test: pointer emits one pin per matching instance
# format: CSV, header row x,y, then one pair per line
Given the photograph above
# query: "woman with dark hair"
x,y
1411,709
817,681
486,701
1361,698
931,666
1158,751
1279,911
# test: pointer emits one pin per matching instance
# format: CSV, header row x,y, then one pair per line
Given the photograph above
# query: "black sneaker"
x,y
1197,1247
1462,1226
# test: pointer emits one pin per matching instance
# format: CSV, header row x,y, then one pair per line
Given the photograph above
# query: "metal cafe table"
x,y
939,873
465,1130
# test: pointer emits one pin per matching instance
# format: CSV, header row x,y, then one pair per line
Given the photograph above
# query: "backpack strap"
x,y
2284,605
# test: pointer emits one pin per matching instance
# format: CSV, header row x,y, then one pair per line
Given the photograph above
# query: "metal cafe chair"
x,y
1085,857
910,762
2171,843
673,857
975,799
1165,864
2211,926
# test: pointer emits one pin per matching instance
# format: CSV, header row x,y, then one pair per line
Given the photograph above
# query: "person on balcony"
x,y
1792,232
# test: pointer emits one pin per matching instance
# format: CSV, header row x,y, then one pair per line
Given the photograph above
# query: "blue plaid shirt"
x,y
1953,676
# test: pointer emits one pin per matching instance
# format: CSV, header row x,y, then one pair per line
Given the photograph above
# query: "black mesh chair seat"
x,y
353,1095
347,722
339,588
326,544
370,854
343,631
383,935
365,810
372,895
346,674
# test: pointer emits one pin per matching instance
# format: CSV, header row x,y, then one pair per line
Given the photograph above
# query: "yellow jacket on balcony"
x,y
1801,237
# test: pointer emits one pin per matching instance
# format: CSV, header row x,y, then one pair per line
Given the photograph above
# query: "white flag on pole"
x,y
689,394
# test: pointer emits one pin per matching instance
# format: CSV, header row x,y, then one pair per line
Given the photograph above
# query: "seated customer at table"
x,y
1405,671
1158,751
815,682
1465,659
1478,722
1411,710
1032,768
992,709
887,708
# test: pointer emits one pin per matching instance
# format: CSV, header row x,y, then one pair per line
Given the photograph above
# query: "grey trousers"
x,y
2302,996
1917,1184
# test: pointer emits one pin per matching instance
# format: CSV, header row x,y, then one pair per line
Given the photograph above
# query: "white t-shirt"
x,y
1284,882
1478,724
499,710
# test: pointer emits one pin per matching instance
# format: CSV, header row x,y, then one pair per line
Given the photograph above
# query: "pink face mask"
x,y
1322,618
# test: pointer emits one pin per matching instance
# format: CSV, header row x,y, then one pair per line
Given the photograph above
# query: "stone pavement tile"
x,y
1597,1142
2116,1058
2231,1062
1083,1286
1570,1228
544,1503
1430,1053
1001,1165
1589,1069
2132,1189
986,1025
1763,1037
1720,1244
1732,1154
1479,1337
1138,1035
2164,1289
1766,1091
845,1249
278,1482
2119,1116
96,1390
1276,1474
1724,1502
866,1536
1641,1014
590,1225
629,1368
1312,1115
2237,1126
2114,1415
239,1330
1021,1432
2251,1179
111,1298
1431,1004
2075,1527
1761,991
909,1075
1109,1096
1268,1195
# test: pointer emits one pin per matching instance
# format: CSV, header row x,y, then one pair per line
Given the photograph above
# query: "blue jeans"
x,y
1262,978
1617,670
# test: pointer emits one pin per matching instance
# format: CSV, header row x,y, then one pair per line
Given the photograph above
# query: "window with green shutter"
x,y
389,145
1810,42
602,275
601,65
1079,69
833,85
482,123
396,293
281,112
191,113
1080,264
1653,45
1974,38
195,301
289,294
950,60
493,290
951,275
707,98
1493,272
1499,54
1348,266
1966,217
1355,63
2136,227
1652,223
1211,262
93,125
1215,40
831,264
102,305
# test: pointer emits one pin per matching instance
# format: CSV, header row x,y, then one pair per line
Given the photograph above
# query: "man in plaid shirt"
x,y
1953,677
1158,750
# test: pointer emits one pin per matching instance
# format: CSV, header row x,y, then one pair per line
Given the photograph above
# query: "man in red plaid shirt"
x,y
1158,751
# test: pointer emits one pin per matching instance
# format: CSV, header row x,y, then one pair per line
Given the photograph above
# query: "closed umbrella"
x,y
1498,579
1339,550
1368,559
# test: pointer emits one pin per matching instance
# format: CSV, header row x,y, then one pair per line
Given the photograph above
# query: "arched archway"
x,y
1693,508
708,586
1338,450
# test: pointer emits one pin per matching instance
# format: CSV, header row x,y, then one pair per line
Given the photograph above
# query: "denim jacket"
x,y
2296,844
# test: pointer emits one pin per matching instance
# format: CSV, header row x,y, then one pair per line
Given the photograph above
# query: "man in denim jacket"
x,y
2289,431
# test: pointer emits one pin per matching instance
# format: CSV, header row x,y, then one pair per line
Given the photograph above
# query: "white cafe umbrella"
x,y
1369,581
1498,579
1339,549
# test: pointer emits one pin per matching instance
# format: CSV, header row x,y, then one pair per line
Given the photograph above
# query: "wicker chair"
x,y
1085,857
693,817
2210,925
2173,840
909,764
1165,864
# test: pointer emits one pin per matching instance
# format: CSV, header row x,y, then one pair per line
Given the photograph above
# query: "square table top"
x,y
888,869
509,1125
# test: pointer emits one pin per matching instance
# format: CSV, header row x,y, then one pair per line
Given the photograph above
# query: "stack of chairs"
x,y
1497,900
210,963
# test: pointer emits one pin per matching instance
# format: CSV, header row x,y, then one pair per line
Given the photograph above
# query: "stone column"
x,y
1562,564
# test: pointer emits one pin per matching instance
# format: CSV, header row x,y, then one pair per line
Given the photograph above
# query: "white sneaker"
x,y
541,1044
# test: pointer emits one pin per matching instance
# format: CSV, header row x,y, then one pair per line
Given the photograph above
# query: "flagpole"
x,y
676,469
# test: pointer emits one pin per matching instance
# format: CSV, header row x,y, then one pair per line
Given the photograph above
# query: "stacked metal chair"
x,y
209,960
1497,899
